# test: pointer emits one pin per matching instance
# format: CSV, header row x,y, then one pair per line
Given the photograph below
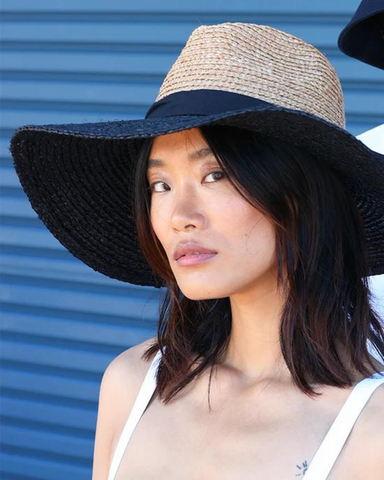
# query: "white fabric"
x,y
325,456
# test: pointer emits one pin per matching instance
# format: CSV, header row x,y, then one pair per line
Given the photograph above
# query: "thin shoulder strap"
x,y
143,397
333,442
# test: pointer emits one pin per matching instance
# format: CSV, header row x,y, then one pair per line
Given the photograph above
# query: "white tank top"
x,y
326,454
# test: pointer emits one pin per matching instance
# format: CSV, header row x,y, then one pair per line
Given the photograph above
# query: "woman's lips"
x,y
195,258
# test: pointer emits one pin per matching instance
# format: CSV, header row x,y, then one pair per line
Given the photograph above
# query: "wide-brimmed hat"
x,y
363,37
78,177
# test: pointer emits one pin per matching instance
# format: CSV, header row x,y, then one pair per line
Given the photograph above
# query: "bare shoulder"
x,y
128,367
370,445
123,376
119,387
372,416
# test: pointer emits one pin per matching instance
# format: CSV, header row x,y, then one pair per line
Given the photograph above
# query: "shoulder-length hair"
x,y
319,238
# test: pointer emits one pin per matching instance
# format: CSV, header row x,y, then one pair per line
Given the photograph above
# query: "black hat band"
x,y
202,102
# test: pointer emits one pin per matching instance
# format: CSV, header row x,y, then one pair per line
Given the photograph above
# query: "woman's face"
x,y
192,202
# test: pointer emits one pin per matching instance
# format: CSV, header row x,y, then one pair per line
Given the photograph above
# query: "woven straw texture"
x,y
259,61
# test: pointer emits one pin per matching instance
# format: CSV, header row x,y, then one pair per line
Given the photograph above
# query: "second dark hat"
x,y
363,37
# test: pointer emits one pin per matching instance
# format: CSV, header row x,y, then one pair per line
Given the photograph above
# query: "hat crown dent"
x,y
259,61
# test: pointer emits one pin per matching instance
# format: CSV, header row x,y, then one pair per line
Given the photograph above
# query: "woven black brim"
x,y
78,178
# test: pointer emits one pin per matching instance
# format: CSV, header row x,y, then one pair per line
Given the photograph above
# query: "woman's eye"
x,y
214,173
154,184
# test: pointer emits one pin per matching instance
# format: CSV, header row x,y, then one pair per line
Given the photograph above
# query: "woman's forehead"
x,y
191,144
184,138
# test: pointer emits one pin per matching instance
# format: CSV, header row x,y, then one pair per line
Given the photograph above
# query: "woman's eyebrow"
x,y
193,157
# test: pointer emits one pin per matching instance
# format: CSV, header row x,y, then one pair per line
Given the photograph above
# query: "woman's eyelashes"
x,y
154,184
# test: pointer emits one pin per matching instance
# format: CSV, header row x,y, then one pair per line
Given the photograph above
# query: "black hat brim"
x,y
78,179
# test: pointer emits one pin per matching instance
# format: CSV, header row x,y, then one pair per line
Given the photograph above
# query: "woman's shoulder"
x,y
369,434
376,401
371,429
119,387
129,365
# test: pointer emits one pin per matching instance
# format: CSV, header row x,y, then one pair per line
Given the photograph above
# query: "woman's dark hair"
x,y
319,237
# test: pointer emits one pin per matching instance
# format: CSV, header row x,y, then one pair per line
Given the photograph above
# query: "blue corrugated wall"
x,y
61,322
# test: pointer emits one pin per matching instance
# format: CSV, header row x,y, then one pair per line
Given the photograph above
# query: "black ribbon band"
x,y
202,102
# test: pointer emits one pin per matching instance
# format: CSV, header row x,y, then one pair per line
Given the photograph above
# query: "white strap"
x,y
143,397
333,442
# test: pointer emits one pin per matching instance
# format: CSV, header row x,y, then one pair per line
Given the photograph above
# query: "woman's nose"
x,y
187,212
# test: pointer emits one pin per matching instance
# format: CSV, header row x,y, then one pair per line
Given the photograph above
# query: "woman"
x,y
245,154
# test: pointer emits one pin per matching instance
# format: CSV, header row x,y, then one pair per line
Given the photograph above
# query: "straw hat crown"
x,y
261,62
